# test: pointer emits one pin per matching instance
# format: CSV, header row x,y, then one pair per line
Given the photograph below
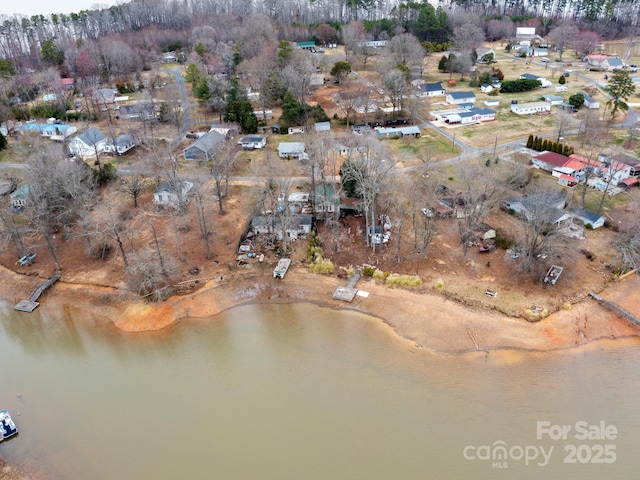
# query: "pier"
x,y
31,304
616,308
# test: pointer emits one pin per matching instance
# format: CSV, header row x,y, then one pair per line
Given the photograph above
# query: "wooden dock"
x,y
31,304
616,308
347,293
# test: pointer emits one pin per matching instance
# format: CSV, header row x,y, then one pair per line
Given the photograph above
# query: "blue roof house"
x,y
457,98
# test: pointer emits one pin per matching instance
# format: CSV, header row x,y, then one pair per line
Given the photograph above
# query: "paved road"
x,y
186,113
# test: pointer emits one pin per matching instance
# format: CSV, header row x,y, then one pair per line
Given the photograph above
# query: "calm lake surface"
x,y
299,392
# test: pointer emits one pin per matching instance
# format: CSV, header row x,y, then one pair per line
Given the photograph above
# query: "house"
x,y
373,43
292,150
296,225
457,98
19,196
326,200
322,126
588,217
253,142
140,112
169,57
525,33
311,46
295,130
547,161
89,142
316,79
122,144
530,108
493,102
616,172
68,83
204,147
567,180
172,194
603,63
53,131
554,100
626,159
485,55
545,206
561,88
544,83
589,101
104,96
431,90
471,116
576,167
399,132
229,130
263,115
486,88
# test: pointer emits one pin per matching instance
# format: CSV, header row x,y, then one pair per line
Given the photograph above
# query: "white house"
x,y
253,142
172,195
617,172
492,102
263,115
123,143
398,132
292,150
322,126
295,130
553,99
530,108
471,116
547,161
457,98
89,142
589,101
373,43
53,131
544,83
588,217
603,62
525,33
486,88
431,90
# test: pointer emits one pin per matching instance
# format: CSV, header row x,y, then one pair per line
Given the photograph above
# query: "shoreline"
x,y
427,319
451,328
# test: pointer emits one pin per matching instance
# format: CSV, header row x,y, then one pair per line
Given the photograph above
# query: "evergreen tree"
x,y
562,80
3,142
620,88
530,141
443,63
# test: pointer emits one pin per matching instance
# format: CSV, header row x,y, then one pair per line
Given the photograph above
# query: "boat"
x,y
281,268
7,427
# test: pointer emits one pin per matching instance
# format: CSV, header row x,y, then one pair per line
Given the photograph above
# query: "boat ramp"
x,y
31,304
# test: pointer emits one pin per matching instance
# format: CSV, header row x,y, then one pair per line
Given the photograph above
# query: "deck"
x,y
31,304
347,293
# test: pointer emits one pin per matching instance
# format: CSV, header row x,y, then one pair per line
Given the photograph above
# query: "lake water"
x,y
299,392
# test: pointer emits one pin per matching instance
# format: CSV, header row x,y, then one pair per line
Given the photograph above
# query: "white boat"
x,y
7,427
281,269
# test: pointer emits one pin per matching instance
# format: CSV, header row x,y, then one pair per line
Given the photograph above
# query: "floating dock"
x,y
31,304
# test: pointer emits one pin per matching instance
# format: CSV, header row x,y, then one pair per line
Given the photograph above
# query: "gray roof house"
x,y
292,150
547,206
122,144
588,217
89,142
103,96
172,195
204,147
322,126
296,225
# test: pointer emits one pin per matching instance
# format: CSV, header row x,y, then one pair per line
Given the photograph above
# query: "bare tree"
x,y
562,36
135,186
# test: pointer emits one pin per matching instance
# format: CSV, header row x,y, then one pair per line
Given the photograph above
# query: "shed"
x,y
322,126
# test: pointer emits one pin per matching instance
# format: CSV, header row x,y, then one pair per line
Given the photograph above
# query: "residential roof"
x,y
626,159
530,76
306,44
574,164
614,62
124,140
322,126
629,181
44,127
251,139
411,130
525,31
459,95
92,136
291,147
431,87
67,81
531,104
588,215
552,158
477,111
21,193
206,142
587,98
